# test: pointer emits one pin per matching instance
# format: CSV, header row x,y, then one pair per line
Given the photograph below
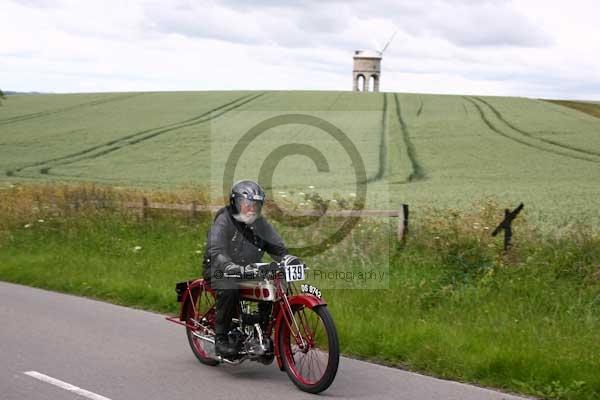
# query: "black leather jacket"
x,y
230,241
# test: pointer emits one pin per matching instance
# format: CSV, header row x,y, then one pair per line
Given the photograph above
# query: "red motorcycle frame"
x,y
297,319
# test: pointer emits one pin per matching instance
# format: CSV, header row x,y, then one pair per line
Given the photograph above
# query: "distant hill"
x,y
588,107
10,92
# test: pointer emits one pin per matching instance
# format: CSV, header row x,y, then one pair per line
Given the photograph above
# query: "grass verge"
x,y
456,306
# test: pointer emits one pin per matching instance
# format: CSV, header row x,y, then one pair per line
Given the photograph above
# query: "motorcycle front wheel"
x,y
309,348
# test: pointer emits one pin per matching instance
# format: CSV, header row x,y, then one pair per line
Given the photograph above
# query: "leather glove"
x,y
250,271
240,270
234,269
291,260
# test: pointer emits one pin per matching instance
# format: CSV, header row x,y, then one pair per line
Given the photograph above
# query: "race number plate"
x,y
294,273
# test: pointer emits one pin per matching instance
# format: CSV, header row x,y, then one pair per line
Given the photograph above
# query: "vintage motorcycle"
x,y
300,333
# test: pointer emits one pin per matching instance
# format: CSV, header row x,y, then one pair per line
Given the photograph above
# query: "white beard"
x,y
245,218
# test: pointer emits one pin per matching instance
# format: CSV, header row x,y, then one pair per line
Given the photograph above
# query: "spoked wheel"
x,y
310,348
200,319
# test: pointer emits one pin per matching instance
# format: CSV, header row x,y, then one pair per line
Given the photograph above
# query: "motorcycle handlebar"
x,y
261,269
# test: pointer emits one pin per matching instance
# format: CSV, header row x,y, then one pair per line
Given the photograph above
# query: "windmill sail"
x,y
388,43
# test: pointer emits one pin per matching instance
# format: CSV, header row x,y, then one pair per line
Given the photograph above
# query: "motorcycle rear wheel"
x,y
199,314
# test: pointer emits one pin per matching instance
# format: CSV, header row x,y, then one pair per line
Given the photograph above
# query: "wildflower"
x,y
301,193
137,248
283,195
281,192
486,228
198,251
40,220
311,187
27,226
437,238
352,194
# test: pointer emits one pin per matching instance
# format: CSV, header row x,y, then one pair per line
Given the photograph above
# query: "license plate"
x,y
294,273
310,289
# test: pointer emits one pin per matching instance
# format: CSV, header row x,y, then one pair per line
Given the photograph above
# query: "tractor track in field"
x,y
116,141
420,110
27,117
135,138
417,173
530,135
465,109
382,147
521,141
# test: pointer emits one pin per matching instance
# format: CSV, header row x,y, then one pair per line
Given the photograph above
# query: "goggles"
x,y
249,204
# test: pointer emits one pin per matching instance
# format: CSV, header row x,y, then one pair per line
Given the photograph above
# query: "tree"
x,y
1,96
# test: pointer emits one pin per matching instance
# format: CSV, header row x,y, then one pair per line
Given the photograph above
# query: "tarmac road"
x,y
111,352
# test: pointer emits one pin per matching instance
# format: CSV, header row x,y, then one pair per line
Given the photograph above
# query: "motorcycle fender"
x,y
192,289
306,300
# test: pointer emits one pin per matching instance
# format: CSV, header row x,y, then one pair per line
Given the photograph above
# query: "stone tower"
x,y
367,67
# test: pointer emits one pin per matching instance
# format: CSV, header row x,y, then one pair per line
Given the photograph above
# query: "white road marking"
x,y
65,385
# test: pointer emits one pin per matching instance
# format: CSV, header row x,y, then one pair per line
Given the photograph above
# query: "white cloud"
x,y
486,24
525,48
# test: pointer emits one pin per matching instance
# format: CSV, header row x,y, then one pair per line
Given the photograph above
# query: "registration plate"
x,y
294,273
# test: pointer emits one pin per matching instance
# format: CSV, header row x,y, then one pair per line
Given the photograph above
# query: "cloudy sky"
x,y
534,48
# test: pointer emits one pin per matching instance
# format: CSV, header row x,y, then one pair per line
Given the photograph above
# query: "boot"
x,y
269,356
223,347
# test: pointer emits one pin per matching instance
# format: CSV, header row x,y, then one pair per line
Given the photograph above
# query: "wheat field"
x,y
424,150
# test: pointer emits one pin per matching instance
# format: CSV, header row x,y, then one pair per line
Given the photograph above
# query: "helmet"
x,y
246,201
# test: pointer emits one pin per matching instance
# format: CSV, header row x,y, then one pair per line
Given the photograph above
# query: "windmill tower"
x,y
367,68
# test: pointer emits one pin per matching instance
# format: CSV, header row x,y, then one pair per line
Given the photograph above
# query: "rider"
x,y
239,237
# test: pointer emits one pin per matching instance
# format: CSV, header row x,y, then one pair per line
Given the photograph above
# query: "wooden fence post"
x,y
194,208
403,223
144,209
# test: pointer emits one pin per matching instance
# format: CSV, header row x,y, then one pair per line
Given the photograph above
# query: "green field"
x,y
424,150
453,305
